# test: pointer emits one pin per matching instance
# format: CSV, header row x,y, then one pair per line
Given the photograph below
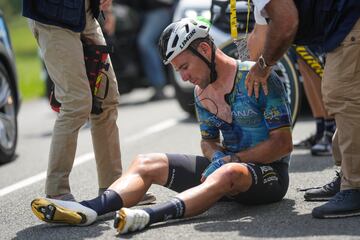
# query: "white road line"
x,y
89,156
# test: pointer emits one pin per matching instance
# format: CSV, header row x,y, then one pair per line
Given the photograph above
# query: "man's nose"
x,y
184,76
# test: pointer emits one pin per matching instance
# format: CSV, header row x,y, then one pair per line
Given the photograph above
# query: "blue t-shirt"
x,y
252,119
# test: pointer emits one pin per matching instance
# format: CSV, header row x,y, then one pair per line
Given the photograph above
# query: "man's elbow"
x,y
284,143
292,26
287,144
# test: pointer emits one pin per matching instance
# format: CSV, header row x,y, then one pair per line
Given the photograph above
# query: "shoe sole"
x,y
342,215
120,221
324,154
317,199
52,213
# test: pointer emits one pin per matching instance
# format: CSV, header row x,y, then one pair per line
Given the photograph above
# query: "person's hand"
x,y
105,5
109,24
213,166
257,77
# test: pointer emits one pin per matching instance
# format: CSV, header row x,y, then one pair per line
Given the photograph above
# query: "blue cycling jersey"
x,y
252,119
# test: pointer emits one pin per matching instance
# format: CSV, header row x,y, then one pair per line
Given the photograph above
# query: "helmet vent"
x,y
169,54
175,41
187,28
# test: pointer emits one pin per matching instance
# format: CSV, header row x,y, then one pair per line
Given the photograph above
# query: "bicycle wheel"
x,y
287,72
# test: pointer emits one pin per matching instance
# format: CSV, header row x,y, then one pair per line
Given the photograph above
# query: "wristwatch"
x,y
262,64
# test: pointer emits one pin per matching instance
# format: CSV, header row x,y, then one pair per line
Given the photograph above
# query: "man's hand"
x,y
255,78
105,5
213,166
109,24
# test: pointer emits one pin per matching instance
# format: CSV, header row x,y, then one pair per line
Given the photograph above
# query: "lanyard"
x,y
239,42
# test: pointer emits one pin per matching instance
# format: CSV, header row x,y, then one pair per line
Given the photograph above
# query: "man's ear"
x,y
204,48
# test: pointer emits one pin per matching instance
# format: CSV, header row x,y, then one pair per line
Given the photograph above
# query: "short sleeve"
x,y
277,113
208,130
259,5
258,18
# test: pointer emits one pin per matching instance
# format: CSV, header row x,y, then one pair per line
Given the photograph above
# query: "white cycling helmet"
x,y
179,35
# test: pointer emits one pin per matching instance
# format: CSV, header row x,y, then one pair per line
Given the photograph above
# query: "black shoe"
x,y
158,95
326,192
345,203
324,146
308,142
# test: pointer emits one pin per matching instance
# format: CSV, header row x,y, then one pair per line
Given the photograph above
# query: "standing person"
x,y
334,26
157,15
61,30
320,142
249,166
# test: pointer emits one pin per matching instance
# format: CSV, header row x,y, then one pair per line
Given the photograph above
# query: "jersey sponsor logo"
x,y
271,179
269,175
244,113
274,113
188,37
265,169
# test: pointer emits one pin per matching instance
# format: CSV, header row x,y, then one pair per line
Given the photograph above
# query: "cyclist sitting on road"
x,y
249,166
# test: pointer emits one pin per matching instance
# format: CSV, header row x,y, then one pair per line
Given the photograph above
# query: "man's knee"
x,y
234,177
151,165
79,107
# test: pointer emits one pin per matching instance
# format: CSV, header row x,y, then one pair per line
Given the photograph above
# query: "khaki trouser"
x,y
341,93
63,56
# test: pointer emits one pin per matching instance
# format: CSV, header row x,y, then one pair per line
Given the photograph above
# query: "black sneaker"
x,y
324,146
345,203
324,193
308,142
158,95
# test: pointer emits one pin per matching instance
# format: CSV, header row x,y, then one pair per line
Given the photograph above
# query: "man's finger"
x,y
250,87
256,89
247,80
265,88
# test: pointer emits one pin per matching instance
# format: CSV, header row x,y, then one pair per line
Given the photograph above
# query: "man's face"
x,y
191,68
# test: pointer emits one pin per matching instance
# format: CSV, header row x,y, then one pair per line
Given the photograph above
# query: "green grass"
x,y
27,59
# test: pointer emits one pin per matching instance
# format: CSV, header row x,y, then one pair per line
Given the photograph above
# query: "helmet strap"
x,y
211,65
213,73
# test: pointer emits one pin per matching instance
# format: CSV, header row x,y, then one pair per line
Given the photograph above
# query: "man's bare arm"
x,y
278,145
208,147
256,41
282,29
279,36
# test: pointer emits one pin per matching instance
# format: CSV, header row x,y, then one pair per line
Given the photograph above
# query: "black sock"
x,y
320,127
173,209
107,202
330,125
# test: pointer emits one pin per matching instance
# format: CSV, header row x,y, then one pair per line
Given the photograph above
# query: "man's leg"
x,y
104,130
325,125
341,96
127,191
154,23
63,55
230,179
